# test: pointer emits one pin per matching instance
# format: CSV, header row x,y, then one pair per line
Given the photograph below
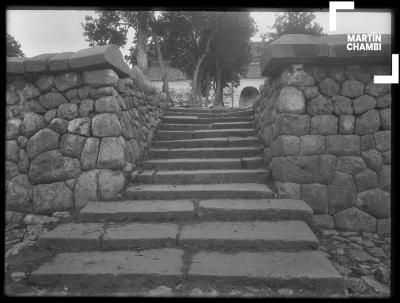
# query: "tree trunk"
x,y
194,94
141,54
207,89
161,65
218,91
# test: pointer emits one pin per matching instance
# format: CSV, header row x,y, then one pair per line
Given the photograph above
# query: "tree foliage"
x,y
293,23
13,47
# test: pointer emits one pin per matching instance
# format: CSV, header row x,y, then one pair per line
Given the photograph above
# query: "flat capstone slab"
x,y
139,210
306,269
256,209
253,235
106,268
73,236
142,235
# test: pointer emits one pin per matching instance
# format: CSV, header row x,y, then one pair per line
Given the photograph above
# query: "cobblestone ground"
x,y
363,259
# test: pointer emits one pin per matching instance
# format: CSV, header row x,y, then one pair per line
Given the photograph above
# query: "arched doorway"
x,y
247,96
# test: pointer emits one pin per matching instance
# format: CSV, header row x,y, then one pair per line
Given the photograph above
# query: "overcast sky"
x,y
48,31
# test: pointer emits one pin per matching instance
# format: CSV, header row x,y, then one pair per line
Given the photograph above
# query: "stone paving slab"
x,y
206,152
140,235
106,268
308,269
198,191
144,210
205,176
261,209
73,236
254,235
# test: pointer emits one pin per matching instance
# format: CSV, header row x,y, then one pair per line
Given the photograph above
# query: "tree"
x,y
13,47
111,27
293,23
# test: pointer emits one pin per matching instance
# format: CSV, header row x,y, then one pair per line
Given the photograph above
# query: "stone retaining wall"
x,y
77,125
327,133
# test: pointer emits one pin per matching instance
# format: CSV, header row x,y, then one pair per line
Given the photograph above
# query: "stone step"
x,y
203,133
310,270
228,125
138,210
205,152
206,110
196,120
248,235
242,113
209,163
207,142
207,210
209,176
110,269
198,191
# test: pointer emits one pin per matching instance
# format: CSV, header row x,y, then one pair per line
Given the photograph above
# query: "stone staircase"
x,y
200,210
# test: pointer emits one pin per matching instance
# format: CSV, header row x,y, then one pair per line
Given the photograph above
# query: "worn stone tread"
x,y
106,268
204,133
139,210
256,209
228,125
192,119
199,163
198,191
207,142
307,269
205,152
204,176
259,235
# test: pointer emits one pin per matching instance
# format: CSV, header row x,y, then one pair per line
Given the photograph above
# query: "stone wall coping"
x,y
308,49
107,56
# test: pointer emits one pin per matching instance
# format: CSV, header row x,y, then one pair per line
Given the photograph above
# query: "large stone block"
x,y
287,190
107,104
310,91
312,144
386,118
373,159
12,151
23,162
96,93
44,140
85,188
66,81
323,221
71,145
59,62
343,145
31,124
326,168
67,111
86,108
363,103
285,146
100,77
337,73
346,124
350,165
377,90
367,142
112,153
110,183
319,105
128,128
291,124
89,153
52,100
375,202
37,64
329,87
79,126
324,125
106,125
45,83
50,115
366,179
341,193
315,195
291,100
383,226
383,140
298,78
19,194
297,169
352,88
59,125
368,123
12,128
354,219
384,101
11,170
384,177
342,105
52,166
135,150
48,198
